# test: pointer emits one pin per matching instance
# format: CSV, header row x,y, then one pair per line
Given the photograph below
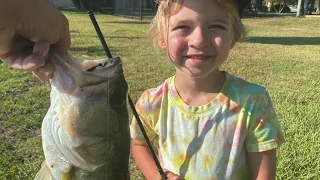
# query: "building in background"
x,y
127,8
63,3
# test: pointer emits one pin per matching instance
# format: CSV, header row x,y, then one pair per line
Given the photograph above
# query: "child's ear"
x,y
162,44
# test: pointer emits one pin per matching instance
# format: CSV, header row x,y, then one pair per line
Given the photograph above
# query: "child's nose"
x,y
198,38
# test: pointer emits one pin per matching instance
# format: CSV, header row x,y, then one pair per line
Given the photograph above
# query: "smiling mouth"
x,y
200,57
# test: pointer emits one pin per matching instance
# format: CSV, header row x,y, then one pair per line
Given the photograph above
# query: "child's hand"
x,y
170,175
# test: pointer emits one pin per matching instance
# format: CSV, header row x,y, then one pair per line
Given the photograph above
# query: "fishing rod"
x,y
135,113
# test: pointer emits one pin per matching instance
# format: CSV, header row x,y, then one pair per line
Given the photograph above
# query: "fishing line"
x,y
136,115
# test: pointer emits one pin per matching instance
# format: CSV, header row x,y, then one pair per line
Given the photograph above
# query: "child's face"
x,y
200,36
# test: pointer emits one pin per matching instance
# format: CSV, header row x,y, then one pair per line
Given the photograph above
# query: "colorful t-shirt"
x,y
210,141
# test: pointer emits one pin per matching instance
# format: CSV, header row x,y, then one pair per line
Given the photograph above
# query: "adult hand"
x,y
28,29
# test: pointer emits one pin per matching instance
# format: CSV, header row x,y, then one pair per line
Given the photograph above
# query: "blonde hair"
x,y
167,8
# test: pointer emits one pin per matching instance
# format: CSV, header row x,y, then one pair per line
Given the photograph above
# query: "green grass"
x,y
287,67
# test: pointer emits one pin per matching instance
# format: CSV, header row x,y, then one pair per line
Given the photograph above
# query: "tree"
x,y
299,8
307,7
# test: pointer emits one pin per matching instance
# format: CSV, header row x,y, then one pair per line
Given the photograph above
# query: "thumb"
x,y
41,49
39,55
45,71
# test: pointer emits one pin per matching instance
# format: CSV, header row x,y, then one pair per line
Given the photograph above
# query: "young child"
x,y
210,124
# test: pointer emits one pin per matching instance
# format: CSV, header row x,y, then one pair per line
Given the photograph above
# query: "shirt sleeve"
x,y
264,131
145,109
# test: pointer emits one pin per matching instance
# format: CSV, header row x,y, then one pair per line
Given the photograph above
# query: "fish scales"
x,y
85,133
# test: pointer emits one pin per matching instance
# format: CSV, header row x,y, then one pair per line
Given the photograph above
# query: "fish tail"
x,y
44,173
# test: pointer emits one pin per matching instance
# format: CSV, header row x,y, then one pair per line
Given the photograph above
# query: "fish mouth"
x,y
109,63
115,61
100,71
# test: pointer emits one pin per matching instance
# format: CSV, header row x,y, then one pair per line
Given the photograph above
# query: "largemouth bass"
x,y
85,133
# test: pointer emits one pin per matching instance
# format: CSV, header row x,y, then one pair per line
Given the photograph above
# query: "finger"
x,y
20,60
18,44
171,175
44,72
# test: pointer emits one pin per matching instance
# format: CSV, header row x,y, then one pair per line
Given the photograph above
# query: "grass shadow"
x,y
254,15
97,51
285,40
128,22
118,37
124,37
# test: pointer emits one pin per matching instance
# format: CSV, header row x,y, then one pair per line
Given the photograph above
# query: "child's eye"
x,y
217,27
181,27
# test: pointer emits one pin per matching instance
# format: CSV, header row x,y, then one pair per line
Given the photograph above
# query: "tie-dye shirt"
x,y
209,141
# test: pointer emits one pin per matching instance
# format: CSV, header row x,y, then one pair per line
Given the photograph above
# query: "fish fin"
x,y
44,173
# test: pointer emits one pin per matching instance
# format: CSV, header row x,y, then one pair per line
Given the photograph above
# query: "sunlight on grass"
x,y
281,54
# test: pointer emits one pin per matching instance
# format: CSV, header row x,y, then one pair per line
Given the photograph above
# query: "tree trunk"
x,y
299,8
306,7
259,5
318,8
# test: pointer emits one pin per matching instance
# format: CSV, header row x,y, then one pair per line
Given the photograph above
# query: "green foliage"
x,y
289,2
278,54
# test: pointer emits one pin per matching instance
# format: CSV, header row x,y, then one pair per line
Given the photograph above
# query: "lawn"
x,y
282,54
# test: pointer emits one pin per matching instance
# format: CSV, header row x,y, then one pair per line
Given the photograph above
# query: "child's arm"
x,y
143,159
146,163
263,137
263,165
